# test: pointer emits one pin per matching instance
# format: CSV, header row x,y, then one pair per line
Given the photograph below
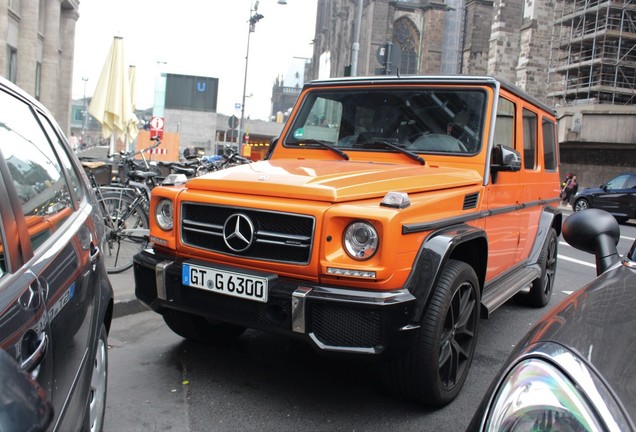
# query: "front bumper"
x,y
331,319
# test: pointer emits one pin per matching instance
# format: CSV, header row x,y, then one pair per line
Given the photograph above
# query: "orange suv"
x,y
390,214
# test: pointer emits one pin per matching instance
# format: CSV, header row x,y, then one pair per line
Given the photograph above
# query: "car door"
x,y
614,195
59,249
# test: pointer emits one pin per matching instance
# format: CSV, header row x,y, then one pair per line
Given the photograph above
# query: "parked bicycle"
x,y
126,222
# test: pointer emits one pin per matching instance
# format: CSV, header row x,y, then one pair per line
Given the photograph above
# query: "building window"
x,y
12,64
405,35
41,10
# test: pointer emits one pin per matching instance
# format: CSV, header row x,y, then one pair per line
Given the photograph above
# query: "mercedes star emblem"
x,y
238,232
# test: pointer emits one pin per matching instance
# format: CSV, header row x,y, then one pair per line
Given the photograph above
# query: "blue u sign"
x,y
201,86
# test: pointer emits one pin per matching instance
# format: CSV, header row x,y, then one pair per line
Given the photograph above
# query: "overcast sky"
x,y
195,37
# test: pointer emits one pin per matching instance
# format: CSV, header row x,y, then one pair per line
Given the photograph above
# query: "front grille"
x,y
277,236
343,326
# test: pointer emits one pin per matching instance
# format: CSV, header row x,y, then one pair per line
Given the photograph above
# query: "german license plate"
x,y
225,282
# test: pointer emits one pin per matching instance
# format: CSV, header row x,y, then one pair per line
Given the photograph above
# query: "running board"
x,y
503,289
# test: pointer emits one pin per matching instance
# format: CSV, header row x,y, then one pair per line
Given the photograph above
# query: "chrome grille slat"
x,y
277,236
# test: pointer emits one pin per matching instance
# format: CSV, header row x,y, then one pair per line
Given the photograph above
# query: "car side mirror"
x,y
594,231
504,158
23,403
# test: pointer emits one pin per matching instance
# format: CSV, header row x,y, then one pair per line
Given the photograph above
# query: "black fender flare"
x,y
551,217
463,242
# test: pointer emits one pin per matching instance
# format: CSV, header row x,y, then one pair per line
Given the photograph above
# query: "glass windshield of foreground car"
x,y
414,120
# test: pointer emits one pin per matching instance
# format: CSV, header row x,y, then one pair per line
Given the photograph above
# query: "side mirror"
x,y
505,158
23,403
594,231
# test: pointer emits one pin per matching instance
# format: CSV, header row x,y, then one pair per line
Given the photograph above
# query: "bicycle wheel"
x,y
126,230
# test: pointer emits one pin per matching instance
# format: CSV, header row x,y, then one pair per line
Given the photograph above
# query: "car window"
x,y
631,182
617,182
505,125
530,123
549,145
421,120
36,172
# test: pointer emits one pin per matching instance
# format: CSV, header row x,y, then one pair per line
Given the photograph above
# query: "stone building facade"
x,y
37,38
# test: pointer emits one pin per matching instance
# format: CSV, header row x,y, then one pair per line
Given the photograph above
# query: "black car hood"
x,y
598,323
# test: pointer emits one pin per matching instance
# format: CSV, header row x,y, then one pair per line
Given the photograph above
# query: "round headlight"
x,y
361,240
163,215
537,396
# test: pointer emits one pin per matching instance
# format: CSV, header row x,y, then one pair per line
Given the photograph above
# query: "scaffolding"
x,y
593,53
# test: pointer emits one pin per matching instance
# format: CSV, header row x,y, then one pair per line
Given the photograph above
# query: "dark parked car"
x,y
574,370
617,196
55,297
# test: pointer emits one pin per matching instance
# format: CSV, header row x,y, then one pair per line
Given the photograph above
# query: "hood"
x,y
332,181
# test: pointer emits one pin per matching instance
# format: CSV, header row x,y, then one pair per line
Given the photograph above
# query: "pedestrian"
x,y
73,142
570,189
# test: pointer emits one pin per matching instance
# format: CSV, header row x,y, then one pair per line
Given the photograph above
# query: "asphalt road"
x,y
159,382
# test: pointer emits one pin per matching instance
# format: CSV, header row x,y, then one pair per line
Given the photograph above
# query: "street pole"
x,y
254,18
355,48
84,113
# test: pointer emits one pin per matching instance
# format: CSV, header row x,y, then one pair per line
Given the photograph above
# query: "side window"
x,y
549,145
36,172
617,182
505,123
530,123
631,183
71,174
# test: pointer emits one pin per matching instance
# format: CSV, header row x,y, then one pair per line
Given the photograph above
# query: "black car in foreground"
x,y
574,370
56,300
617,196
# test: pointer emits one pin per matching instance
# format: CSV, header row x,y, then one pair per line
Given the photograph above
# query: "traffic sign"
x,y
156,127
233,122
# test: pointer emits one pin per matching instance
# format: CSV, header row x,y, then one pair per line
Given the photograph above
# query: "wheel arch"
x,y
460,242
550,218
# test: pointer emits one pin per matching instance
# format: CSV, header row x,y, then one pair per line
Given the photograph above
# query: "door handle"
x,y
35,359
95,252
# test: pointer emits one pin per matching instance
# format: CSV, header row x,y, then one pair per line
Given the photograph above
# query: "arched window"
x,y
406,36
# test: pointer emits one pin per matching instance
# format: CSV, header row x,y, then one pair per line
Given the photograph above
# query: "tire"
x,y
96,408
201,330
435,368
542,287
581,204
120,245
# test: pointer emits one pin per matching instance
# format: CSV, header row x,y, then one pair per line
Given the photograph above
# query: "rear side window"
x,y
549,145
530,123
37,174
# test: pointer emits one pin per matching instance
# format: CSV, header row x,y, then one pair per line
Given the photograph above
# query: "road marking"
x,y
567,292
576,261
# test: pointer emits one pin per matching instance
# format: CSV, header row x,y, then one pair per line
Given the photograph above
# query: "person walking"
x,y
571,186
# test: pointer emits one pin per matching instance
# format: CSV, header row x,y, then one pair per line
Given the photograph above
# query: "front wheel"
x,y
126,232
435,368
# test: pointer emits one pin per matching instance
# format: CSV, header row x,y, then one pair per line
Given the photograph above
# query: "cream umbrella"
x,y
131,131
112,102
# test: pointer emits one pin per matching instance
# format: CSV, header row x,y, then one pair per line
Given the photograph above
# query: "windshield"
x,y
431,120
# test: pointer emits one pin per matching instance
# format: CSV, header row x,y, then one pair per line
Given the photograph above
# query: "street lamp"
x,y
254,18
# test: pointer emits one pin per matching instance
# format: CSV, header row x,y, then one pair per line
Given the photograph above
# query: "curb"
x,y
128,307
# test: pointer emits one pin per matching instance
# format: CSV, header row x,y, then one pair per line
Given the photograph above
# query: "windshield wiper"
x,y
324,144
402,150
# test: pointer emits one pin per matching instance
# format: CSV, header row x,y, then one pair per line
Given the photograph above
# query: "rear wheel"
x,y
541,289
127,230
199,329
581,204
435,368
